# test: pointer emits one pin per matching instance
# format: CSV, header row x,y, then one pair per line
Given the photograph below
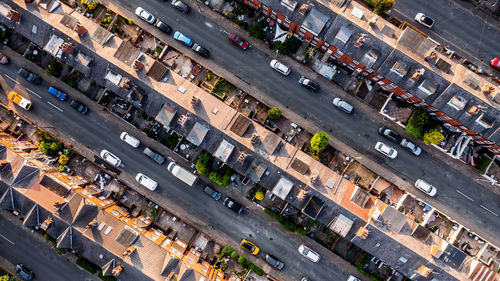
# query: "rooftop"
x,y
198,133
224,151
255,171
158,71
313,207
315,21
240,125
101,35
166,114
127,53
282,188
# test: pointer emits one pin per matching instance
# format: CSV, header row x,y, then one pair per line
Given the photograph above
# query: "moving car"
x,y
163,27
24,272
200,50
424,20
495,63
153,155
231,204
3,59
308,83
146,181
415,149
386,150
79,106
389,134
145,15
212,193
130,140
274,261
308,253
426,187
342,105
236,40
181,6
19,100
30,76
57,93
249,247
110,158
183,39
281,68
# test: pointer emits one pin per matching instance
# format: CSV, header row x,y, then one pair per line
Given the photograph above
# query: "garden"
x,y
220,175
230,260
422,127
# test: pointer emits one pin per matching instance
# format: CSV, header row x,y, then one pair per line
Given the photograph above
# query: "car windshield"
x,y
498,63
247,246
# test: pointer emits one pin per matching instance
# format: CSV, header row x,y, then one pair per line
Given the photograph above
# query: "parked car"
x,y
238,41
389,134
386,150
146,181
352,278
24,272
413,148
183,39
212,193
181,6
60,95
308,253
342,105
249,247
3,59
274,261
145,15
78,106
305,278
281,68
426,187
163,27
153,155
424,20
19,100
110,158
30,76
130,140
200,50
308,83
495,63
231,204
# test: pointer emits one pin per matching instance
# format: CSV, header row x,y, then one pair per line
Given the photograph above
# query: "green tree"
x,y
417,123
217,178
319,141
283,47
234,255
383,6
274,113
63,160
202,163
56,147
256,30
53,68
433,136
4,278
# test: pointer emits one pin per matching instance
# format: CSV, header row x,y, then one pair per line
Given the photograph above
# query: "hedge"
x,y
87,265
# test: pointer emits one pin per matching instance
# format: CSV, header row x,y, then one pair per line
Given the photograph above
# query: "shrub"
x,y
417,123
63,159
288,225
274,113
53,68
87,265
433,136
244,262
131,22
51,148
259,195
283,47
257,270
301,231
216,177
61,169
208,77
202,163
383,6
234,255
319,141
226,251
256,31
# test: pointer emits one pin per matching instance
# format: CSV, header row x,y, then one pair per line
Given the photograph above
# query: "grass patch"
x,y
87,265
482,164
106,278
286,223
222,88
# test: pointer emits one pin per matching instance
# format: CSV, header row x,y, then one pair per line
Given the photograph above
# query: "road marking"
x,y
209,24
7,239
33,92
10,77
464,195
55,106
489,210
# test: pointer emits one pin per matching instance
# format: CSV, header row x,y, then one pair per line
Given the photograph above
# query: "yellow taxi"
x,y
19,100
249,247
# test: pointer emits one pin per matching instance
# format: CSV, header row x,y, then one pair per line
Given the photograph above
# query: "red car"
x,y
236,40
495,63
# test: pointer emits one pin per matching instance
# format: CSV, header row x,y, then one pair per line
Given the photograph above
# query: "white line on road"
x,y
7,239
209,24
55,106
464,195
489,210
33,92
10,77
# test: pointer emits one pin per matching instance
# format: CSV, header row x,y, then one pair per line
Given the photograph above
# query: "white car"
x,y
386,150
145,15
146,181
352,278
308,253
130,140
424,20
426,187
281,68
110,158
415,149
342,105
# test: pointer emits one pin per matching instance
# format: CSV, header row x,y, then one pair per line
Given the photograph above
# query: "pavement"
x,y
99,129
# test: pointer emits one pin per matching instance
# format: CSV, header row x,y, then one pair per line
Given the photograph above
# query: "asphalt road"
x,y
18,246
98,133
459,197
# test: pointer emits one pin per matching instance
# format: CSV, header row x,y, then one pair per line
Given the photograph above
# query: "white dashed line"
x,y
55,106
464,195
10,77
489,210
33,93
7,239
209,24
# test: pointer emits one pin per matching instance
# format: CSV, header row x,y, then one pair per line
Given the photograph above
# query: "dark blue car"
x,y
58,94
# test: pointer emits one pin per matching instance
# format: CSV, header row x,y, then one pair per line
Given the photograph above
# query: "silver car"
x,y
386,150
281,68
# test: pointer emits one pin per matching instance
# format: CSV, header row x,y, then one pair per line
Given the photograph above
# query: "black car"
x,y
274,261
181,6
308,83
30,76
163,27
200,50
231,204
23,272
212,193
390,134
79,106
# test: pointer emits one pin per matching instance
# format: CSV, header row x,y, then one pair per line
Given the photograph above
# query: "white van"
x,y
426,187
146,181
130,140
